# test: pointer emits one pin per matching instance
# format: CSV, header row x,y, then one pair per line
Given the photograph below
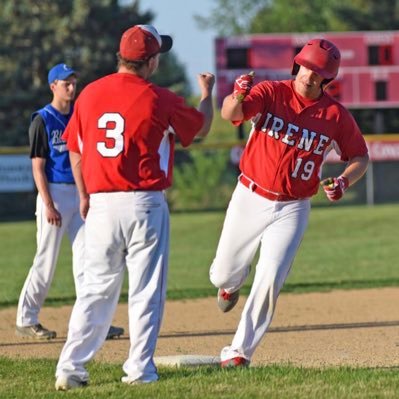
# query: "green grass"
x,y
205,382
349,247
344,247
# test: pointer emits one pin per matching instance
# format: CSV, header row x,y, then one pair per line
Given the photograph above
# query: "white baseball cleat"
x,y
36,331
67,382
129,381
237,361
226,300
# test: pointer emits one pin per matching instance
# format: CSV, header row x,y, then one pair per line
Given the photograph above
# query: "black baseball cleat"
x,y
226,300
115,332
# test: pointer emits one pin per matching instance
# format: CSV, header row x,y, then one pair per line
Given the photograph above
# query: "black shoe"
x,y
115,332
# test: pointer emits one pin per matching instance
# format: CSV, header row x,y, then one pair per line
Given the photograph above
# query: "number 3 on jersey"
x,y
116,134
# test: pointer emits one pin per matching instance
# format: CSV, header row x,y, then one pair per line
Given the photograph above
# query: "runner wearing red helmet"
x,y
320,56
294,126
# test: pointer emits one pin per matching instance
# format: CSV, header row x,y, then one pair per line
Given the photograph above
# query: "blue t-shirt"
x,y
58,167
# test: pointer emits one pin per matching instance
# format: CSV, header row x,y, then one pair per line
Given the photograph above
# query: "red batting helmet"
x,y
319,55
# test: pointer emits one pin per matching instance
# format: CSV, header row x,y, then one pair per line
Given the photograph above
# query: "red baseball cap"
x,y
143,41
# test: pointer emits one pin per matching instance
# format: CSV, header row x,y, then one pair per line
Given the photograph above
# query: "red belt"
x,y
263,192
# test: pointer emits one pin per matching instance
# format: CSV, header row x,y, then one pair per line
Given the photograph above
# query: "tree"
x,y
83,33
234,17
171,74
369,15
297,16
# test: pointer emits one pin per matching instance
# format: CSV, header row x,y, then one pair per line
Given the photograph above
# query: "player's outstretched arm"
x,y
206,82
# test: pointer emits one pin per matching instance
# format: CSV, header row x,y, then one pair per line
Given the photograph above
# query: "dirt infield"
x,y
353,328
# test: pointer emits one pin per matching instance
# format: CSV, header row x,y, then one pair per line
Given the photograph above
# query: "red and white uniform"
x,y
129,136
125,129
281,168
292,136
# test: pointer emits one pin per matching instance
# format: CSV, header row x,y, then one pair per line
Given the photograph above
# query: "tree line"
x,y
35,35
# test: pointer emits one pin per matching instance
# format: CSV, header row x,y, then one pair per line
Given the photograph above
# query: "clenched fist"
x,y
335,187
206,81
243,85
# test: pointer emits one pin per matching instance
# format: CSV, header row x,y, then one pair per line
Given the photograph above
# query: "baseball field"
x,y
335,333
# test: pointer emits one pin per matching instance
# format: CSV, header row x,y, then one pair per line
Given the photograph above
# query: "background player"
x,y
295,124
57,204
121,137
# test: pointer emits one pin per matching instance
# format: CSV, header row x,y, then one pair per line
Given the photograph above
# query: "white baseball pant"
x,y
49,238
278,228
123,230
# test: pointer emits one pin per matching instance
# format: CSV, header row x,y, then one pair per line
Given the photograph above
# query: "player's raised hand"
x,y
243,85
335,187
206,81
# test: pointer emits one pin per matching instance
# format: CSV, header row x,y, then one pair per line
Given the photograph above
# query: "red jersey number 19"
x,y
115,133
308,169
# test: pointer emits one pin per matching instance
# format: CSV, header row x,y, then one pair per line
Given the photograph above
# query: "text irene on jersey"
x,y
274,125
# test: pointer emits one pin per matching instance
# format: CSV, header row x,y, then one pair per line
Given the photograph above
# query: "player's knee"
x,y
219,278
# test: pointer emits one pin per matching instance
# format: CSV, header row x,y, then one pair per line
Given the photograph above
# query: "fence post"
x,y
370,184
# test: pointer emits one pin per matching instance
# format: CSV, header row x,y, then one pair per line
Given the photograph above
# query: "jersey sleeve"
x,y
72,132
352,143
38,141
186,121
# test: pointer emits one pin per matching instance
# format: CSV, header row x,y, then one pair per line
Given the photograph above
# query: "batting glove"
x,y
243,85
335,187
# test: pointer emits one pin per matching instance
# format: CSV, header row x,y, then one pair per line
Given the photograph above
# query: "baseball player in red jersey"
x,y
121,139
295,124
